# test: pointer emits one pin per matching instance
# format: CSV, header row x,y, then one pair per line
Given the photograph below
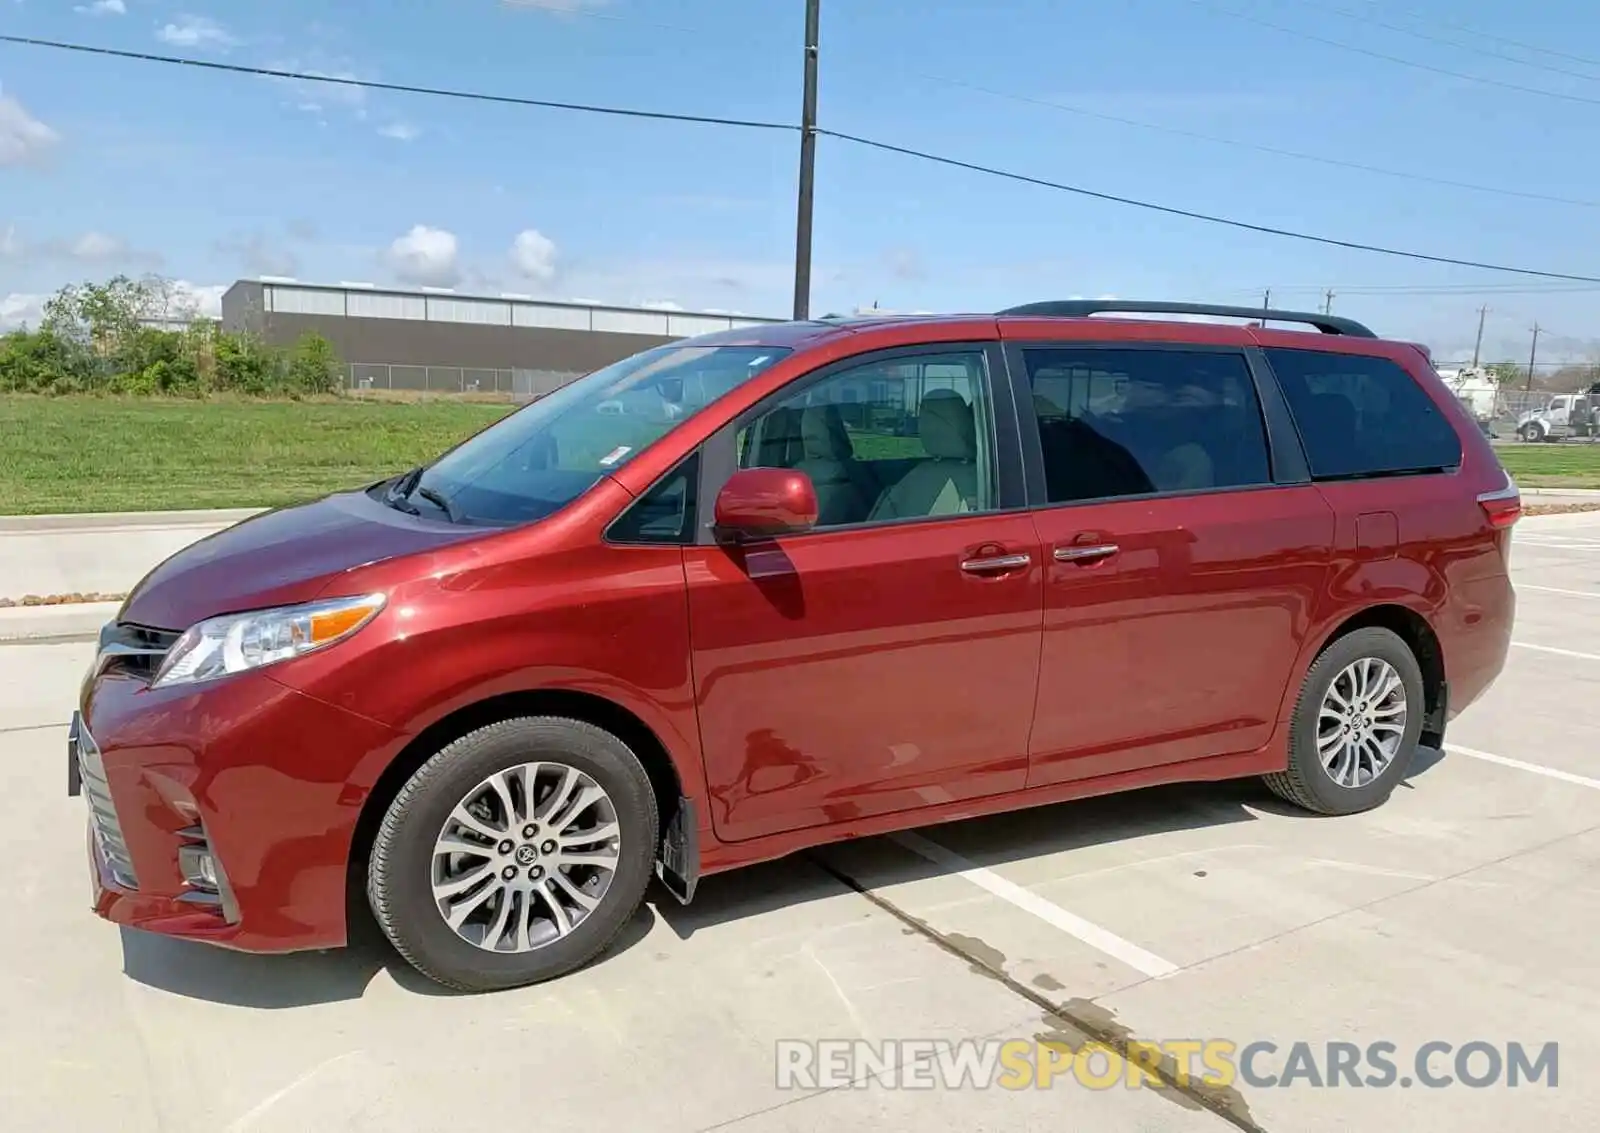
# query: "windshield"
x,y
544,456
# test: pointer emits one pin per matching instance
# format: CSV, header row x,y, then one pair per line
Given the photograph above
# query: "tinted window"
x,y
1135,422
542,457
889,440
1363,416
664,514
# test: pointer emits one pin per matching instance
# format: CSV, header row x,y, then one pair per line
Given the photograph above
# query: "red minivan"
x,y
759,590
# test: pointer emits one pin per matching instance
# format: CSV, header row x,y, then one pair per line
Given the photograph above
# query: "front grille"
x,y
133,650
109,843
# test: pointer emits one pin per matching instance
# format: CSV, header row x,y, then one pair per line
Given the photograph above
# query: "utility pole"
x,y
1477,348
808,169
1532,354
1327,302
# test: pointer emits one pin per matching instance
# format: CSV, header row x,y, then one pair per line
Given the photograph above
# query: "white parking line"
x,y
1520,765
1557,652
1559,590
1564,544
1088,932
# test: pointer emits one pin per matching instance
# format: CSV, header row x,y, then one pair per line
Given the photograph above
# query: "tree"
x,y
314,367
1506,373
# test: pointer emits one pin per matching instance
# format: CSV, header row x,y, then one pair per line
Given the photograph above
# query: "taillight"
x,y
1502,506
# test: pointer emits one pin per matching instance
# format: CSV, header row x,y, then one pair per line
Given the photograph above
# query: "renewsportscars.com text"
x,y
1021,1064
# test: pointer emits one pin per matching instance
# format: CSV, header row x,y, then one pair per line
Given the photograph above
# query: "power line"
x,y
1455,26
1424,36
1274,150
1192,215
870,143
1249,19
402,88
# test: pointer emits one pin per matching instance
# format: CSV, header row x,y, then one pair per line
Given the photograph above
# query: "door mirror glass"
x,y
760,503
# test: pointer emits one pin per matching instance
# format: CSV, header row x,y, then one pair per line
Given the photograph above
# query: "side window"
x,y
1134,422
901,439
664,514
1363,416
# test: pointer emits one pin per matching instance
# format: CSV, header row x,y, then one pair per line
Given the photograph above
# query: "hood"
x,y
281,557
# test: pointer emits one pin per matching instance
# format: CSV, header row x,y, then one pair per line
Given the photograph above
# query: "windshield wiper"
x,y
441,501
398,493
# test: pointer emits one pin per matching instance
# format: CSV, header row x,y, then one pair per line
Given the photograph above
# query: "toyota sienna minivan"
x,y
752,592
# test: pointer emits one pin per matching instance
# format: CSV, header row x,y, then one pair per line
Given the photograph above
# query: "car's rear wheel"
x,y
1356,725
515,854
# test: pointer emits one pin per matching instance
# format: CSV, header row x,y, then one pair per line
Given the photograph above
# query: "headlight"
x,y
236,643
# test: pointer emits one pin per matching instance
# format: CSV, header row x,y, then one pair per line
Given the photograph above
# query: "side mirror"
x,y
760,503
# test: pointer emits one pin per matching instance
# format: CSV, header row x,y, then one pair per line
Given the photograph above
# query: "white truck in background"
x,y
1564,415
1478,391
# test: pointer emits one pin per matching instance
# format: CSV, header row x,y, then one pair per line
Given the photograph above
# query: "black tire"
x,y
1532,434
1306,782
400,867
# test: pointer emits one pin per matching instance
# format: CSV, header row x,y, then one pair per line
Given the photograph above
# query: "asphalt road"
x,y
1465,910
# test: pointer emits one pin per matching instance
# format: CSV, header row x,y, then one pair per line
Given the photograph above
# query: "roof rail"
x,y
1083,308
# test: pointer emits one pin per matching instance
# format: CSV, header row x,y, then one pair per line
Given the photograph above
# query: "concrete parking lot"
x,y
1466,910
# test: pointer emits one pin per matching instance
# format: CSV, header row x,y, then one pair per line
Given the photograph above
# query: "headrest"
x,y
823,435
945,425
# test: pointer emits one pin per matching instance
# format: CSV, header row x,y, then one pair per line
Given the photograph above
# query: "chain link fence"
x,y
519,384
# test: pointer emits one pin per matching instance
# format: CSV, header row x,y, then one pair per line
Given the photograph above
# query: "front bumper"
x,y
244,774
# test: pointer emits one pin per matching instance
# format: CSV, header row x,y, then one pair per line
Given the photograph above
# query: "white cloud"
x,y
260,256
23,138
401,132
662,305
426,257
533,254
103,8
20,309
203,299
91,247
197,31
96,247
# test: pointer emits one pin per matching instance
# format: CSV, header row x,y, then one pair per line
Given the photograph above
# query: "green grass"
x,y
1569,464
85,454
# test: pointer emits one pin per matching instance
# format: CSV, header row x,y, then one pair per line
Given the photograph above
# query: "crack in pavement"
x,y
1082,1017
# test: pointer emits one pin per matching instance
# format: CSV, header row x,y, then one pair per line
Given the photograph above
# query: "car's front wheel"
x,y
1356,726
1532,433
515,854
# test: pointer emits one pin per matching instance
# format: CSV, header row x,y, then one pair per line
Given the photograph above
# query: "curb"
x,y
39,625
123,521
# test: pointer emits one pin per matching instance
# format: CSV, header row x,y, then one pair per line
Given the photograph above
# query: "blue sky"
x,y
113,165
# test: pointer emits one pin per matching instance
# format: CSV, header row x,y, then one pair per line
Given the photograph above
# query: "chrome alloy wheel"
x,y
525,857
1362,722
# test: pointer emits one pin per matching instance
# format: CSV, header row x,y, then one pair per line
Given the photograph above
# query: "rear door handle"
x,y
996,564
1087,552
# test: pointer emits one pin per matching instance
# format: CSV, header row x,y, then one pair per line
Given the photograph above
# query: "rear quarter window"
x,y
1363,416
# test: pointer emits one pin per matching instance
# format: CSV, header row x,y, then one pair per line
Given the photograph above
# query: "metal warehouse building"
x,y
435,339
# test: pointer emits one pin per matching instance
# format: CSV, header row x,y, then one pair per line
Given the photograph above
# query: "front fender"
x,y
442,645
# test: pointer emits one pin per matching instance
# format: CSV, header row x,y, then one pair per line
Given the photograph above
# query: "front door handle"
x,y
996,564
1087,552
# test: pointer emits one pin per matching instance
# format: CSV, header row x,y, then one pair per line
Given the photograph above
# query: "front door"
x,y
1181,577
887,660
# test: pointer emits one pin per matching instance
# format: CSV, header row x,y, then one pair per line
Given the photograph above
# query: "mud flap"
x,y
678,863
1433,724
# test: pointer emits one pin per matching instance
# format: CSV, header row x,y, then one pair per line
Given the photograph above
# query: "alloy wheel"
x,y
1362,722
525,857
